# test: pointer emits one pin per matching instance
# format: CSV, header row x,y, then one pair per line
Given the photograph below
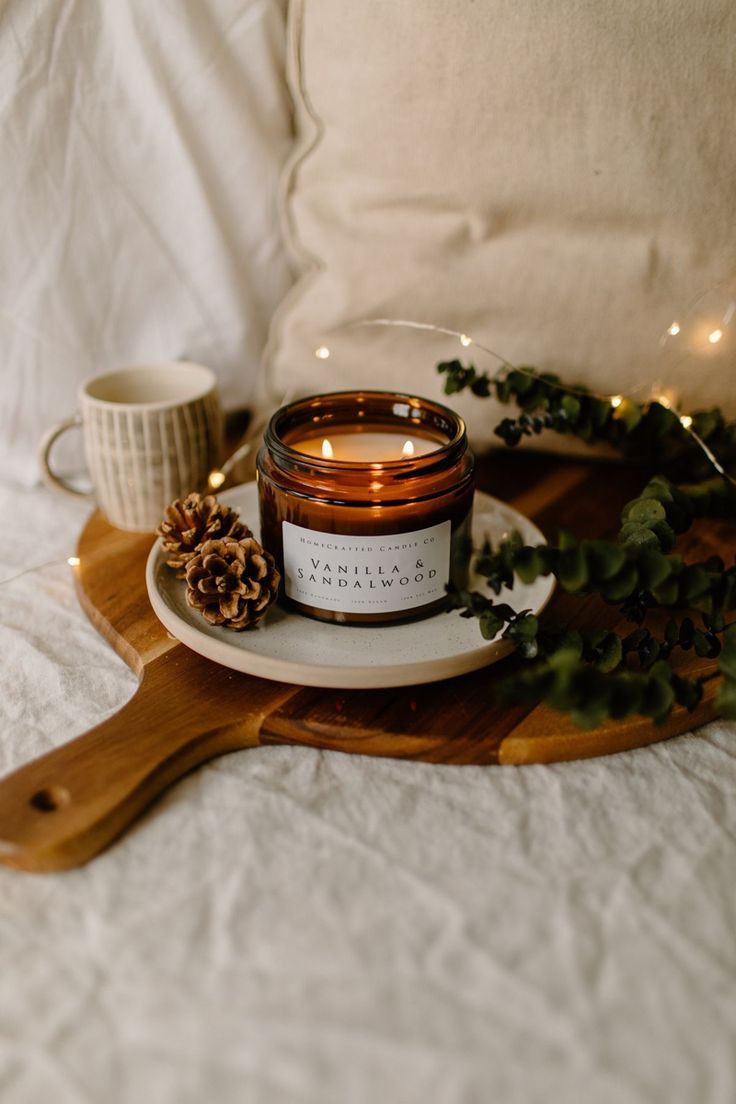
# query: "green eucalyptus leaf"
x,y
611,653
565,660
635,535
695,583
716,621
646,511
654,567
520,382
665,534
658,488
706,422
703,604
566,540
571,405
621,585
649,651
706,645
600,414
590,715
667,593
658,697
604,558
572,569
503,390
526,627
490,625
528,564
688,693
626,695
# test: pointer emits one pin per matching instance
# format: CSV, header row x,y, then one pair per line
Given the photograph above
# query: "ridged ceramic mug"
x,y
152,433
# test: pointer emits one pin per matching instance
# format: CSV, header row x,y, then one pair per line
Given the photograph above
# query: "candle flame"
x,y
327,452
408,449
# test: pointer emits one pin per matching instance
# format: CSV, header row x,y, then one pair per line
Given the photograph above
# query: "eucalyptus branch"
x,y
605,649
600,675
638,570
590,696
635,429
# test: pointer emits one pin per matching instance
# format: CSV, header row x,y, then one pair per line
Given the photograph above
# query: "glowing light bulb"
x,y
73,561
216,479
322,353
465,340
616,401
327,452
674,329
686,421
715,336
408,449
667,397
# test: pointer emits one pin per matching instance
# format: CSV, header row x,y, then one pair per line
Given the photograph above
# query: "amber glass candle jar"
x,y
366,501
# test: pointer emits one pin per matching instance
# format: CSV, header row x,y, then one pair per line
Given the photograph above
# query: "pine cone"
x,y
190,521
232,582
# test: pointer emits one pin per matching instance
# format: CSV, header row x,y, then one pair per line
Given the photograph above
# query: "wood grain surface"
x,y
63,808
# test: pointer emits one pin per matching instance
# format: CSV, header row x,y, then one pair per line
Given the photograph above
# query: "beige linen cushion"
x,y
556,179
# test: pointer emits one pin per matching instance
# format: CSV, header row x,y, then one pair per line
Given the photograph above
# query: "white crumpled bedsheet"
x,y
294,926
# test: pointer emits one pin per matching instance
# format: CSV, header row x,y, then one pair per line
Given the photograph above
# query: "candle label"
x,y
367,574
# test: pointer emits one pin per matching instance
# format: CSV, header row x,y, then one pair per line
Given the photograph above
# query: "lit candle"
x,y
365,502
369,446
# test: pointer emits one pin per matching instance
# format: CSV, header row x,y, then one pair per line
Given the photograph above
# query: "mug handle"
x,y
44,456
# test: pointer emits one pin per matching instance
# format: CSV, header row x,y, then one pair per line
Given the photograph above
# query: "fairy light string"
x,y
218,476
323,352
73,561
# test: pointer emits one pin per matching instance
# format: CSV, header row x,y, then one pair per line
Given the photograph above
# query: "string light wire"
x,y
405,323
466,341
685,420
72,561
219,475
251,439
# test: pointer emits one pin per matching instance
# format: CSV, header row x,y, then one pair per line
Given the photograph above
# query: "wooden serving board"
x,y
63,808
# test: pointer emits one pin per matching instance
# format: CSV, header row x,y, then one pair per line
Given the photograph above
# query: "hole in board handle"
x,y
50,799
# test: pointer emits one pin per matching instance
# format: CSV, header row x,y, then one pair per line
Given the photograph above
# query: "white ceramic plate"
x,y
290,648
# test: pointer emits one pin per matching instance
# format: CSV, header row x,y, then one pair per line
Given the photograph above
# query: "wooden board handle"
x,y
61,809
